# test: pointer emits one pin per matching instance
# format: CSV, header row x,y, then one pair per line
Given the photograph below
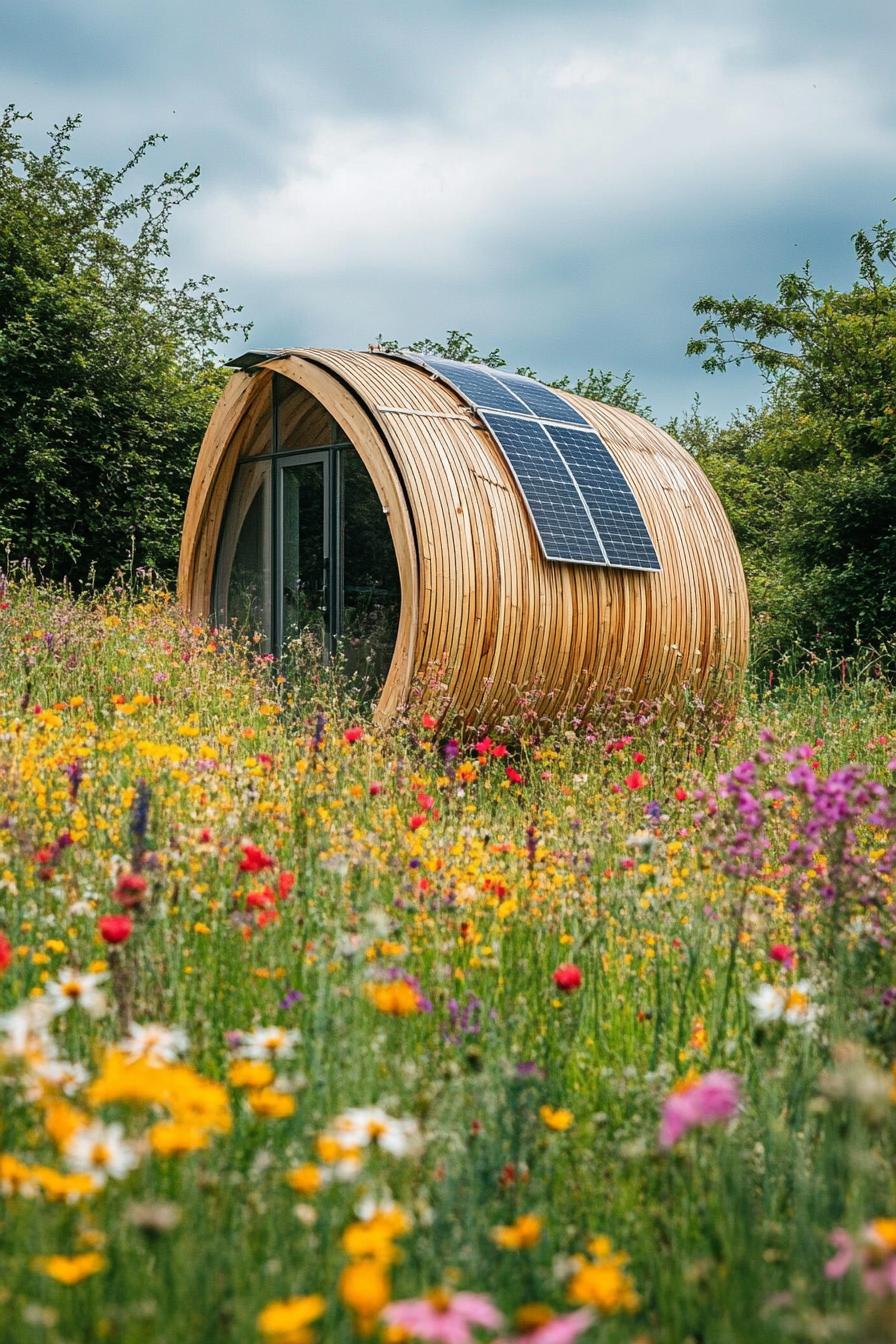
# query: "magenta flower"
x,y
873,1251
705,1101
444,1317
844,1253
555,1330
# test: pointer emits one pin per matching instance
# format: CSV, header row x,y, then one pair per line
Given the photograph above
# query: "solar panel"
x,y
608,498
541,400
561,520
477,384
582,506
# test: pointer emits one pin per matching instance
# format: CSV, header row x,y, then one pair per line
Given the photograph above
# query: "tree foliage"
x,y
107,372
810,479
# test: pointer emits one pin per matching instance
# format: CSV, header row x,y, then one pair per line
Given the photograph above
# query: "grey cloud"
x,y
561,268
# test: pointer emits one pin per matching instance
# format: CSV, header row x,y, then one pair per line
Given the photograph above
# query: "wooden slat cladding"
x,y
487,623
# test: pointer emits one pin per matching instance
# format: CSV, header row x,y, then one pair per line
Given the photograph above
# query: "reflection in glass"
x,y
243,579
304,551
371,590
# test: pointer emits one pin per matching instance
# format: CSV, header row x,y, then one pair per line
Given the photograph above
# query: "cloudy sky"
x,y
561,178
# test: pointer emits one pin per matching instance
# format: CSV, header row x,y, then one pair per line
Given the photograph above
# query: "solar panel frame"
x,y
562,523
540,401
607,496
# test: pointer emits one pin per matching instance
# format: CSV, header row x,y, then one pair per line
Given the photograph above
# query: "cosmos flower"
x,y
443,1317
697,1102
536,1323
872,1250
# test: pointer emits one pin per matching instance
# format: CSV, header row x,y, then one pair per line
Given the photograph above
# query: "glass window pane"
x,y
243,575
304,551
371,596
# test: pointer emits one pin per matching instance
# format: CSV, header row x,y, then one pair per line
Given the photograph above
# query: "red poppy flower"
x,y
261,899
5,952
129,890
285,883
254,859
115,928
513,775
429,722
424,802
681,794
782,953
567,977
375,788
353,735
416,821
635,780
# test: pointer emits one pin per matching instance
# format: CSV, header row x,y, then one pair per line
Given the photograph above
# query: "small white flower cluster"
x,y
266,1043
791,1004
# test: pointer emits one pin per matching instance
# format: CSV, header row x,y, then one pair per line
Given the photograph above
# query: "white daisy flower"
x,y
364,1125
23,1031
102,1151
153,1043
63,1075
782,1003
768,1003
77,987
799,1010
268,1043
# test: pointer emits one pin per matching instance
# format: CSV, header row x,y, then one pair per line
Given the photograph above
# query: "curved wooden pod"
x,y
487,624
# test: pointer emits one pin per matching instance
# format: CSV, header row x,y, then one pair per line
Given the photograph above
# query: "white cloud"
x,y
576,144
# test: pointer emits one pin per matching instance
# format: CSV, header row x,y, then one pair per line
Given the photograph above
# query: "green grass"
x,y
727,1232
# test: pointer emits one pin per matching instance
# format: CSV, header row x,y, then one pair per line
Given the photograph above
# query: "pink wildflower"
x,y
873,1251
782,953
701,1101
444,1317
553,1330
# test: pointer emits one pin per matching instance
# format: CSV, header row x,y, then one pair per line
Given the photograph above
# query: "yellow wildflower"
x,y
603,1282
286,1321
556,1117
305,1180
364,1288
170,1138
519,1235
268,1102
64,1187
395,997
250,1073
62,1120
70,1269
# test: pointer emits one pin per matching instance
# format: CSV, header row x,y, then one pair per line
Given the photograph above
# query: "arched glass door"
x,y
305,550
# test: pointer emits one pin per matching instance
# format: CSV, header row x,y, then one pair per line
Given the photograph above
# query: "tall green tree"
x,y
107,368
817,471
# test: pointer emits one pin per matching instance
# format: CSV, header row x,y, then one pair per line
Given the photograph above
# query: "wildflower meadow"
x,y
311,1031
